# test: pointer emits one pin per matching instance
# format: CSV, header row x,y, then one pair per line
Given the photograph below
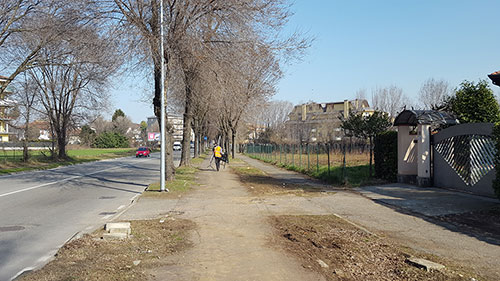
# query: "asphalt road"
x,y
40,211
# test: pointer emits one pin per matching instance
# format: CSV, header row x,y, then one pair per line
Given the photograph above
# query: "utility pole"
x,y
162,131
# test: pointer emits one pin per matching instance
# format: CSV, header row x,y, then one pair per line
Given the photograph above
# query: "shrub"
x,y
386,155
496,138
111,140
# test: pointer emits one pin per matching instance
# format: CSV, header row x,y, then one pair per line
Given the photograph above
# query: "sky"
x,y
369,44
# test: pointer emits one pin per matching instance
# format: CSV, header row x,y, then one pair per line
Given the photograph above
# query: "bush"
x,y
111,140
496,138
386,155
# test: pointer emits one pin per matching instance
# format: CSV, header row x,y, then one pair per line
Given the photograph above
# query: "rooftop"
x,y
427,117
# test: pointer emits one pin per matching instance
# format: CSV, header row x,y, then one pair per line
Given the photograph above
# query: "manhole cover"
x,y
11,228
107,197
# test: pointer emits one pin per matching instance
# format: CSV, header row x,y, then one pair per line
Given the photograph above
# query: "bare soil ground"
x,y
93,258
351,253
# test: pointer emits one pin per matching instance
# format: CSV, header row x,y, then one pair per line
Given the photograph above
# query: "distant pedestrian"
x,y
217,155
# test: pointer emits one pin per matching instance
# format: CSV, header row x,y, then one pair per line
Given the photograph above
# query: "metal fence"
x,y
13,151
311,157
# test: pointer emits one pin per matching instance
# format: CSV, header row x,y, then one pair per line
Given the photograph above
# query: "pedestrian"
x,y
217,155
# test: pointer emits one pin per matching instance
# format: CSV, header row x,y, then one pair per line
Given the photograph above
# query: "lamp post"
x,y
162,129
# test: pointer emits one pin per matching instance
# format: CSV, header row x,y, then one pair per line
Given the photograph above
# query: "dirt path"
x,y
232,238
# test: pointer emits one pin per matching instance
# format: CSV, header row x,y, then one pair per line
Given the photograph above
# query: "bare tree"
x,y
100,125
360,94
389,99
26,97
75,72
122,124
433,93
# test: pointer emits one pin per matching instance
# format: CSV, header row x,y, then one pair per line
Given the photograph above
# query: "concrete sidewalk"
x,y
400,212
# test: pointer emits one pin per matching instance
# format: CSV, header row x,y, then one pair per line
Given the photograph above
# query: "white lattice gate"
x,y
463,158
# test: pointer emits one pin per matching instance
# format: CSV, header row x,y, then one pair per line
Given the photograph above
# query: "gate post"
x,y
424,156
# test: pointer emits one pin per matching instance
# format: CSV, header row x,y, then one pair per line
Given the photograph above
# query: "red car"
x,y
143,151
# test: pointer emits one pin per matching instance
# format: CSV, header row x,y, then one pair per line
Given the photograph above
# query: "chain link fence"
x,y
334,162
13,151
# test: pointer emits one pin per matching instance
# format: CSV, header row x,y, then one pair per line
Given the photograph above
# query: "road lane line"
x,y
67,179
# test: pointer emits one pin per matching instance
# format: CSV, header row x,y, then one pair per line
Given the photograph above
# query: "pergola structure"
x,y
414,143
495,78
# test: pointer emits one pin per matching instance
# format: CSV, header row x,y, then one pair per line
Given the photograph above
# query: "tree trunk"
x,y
61,144
186,129
371,155
233,137
26,154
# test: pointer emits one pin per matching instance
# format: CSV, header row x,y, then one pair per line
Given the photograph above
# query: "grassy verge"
x,y
184,180
93,258
340,251
353,176
259,183
38,160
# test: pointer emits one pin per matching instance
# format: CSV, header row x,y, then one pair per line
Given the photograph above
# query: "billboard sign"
x,y
153,136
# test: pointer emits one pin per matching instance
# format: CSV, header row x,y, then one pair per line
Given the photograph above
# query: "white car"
x,y
177,146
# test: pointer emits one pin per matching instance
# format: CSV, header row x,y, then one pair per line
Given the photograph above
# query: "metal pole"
x,y
162,131
317,157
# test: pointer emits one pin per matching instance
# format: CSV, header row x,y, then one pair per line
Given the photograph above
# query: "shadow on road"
x,y
471,215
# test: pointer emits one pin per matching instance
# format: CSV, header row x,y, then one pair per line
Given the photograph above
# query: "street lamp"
x,y
162,129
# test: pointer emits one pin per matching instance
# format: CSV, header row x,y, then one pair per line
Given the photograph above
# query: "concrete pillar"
x,y
424,156
407,162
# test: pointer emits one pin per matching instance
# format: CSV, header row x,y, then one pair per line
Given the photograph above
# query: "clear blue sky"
x,y
368,44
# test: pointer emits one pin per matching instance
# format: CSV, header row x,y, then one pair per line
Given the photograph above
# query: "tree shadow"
x,y
462,213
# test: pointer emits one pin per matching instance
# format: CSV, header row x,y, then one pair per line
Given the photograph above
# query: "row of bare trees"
x,y
223,59
392,100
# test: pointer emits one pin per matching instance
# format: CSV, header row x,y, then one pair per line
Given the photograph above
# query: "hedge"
x,y
386,156
111,140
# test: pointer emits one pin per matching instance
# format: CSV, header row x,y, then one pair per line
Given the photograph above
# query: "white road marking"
x,y
44,259
63,180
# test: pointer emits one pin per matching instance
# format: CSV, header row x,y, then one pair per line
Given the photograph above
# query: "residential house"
x,y
320,122
5,105
177,122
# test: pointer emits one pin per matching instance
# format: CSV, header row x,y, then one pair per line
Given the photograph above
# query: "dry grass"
x,y
353,254
92,258
260,184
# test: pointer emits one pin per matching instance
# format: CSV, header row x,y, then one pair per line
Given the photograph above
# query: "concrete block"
x,y
425,264
120,230
116,225
115,236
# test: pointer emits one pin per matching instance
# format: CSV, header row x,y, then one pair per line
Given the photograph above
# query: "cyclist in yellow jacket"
x,y
217,155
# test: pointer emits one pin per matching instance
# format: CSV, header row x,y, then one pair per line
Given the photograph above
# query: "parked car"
x,y
143,151
177,146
